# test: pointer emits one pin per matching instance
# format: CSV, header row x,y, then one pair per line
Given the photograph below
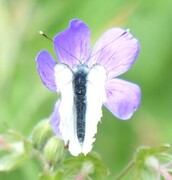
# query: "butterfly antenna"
x,y
107,44
43,34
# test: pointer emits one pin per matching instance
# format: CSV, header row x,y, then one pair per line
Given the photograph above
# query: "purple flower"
x,y
86,80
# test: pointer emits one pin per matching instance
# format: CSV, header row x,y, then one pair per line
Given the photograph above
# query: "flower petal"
x,y
55,120
116,50
72,45
45,67
123,98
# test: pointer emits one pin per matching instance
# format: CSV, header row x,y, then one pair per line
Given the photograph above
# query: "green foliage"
x,y
89,166
13,154
11,161
47,176
52,156
81,167
147,163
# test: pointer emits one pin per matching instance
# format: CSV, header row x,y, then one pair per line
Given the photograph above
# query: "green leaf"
x,y
14,157
27,146
11,161
48,176
160,149
87,166
141,174
14,135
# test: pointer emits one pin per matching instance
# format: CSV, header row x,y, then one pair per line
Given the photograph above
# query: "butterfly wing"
x,y
64,79
95,97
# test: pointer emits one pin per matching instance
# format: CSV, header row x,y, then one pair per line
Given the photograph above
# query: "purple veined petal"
x,y
116,50
72,45
123,98
45,67
55,120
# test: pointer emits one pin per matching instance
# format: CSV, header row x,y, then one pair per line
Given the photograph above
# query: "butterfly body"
x,y
82,95
80,89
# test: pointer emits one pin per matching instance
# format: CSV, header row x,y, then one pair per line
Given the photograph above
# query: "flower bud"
x,y
88,167
53,150
41,133
152,163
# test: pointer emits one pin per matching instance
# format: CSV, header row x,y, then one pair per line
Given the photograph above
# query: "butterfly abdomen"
x,y
80,89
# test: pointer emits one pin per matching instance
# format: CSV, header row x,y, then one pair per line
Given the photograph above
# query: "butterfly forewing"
x,y
95,97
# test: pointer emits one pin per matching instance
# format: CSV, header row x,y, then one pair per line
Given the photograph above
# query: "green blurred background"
x,y
24,100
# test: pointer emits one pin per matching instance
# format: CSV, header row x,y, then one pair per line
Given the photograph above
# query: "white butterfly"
x,y
87,80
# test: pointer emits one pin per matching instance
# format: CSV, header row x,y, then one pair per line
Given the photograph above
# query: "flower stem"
x,y
42,160
125,170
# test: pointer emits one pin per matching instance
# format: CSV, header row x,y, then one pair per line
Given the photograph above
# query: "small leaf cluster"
x,y
50,152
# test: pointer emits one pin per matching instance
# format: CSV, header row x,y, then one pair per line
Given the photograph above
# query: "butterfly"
x,y
86,80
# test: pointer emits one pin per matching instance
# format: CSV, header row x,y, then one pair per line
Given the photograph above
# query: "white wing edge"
x,y
96,96
63,79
